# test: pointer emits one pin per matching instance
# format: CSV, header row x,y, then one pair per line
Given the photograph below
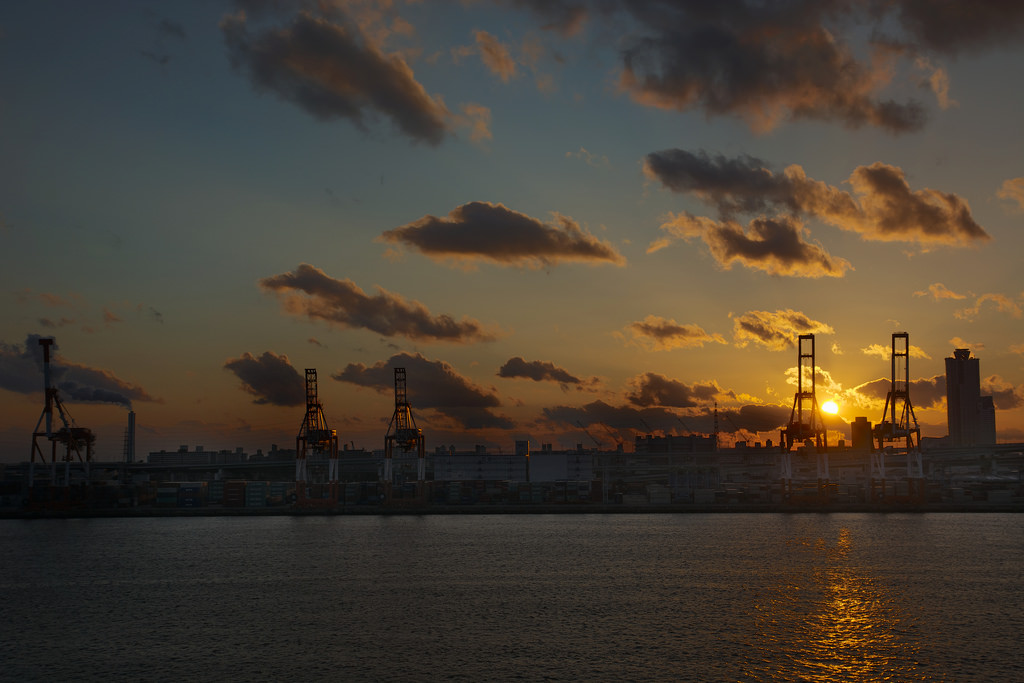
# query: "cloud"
x,y
768,62
334,70
432,385
776,330
764,63
662,334
477,118
652,389
21,371
927,392
1004,395
1003,304
538,371
937,81
495,56
492,232
62,322
882,206
775,245
270,378
958,343
938,291
588,157
823,380
613,417
1012,190
949,27
886,351
341,302
634,421
1017,348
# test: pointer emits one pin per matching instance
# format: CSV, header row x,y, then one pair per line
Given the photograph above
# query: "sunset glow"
x,y
570,222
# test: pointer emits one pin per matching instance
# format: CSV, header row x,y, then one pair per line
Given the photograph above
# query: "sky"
x,y
571,221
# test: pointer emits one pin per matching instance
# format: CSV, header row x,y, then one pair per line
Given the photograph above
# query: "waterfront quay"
x,y
739,479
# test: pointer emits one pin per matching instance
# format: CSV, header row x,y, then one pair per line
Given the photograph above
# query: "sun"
x,y
830,407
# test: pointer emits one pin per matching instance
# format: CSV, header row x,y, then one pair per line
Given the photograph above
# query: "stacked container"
x,y
192,494
234,494
167,495
256,494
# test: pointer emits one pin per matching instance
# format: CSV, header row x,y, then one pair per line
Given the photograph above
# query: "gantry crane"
x,y
896,429
403,432
314,435
74,439
805,422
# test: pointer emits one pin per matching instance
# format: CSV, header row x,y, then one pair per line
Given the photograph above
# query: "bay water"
x,y
567,597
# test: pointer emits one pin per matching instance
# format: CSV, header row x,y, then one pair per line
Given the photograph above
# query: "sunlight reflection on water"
x,y
827,620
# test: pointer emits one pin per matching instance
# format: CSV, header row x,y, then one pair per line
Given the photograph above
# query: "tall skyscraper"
x,y
971,420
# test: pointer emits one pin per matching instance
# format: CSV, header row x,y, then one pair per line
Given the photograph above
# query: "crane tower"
x,y
74,439
314,435
805,423
403,432
904,427
893,429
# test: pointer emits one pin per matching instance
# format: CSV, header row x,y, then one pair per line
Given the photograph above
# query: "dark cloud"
x,y
342,303
21,371
882,206
950,27
538,371
1004,395
776,330
332,70
615,417
777,246
663,334
50,323
926,392
764,63
768,62
633,421
652,389
492,232
270,378
432,385
757,418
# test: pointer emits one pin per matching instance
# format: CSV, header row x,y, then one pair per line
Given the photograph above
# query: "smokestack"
x,y
45,343
129,454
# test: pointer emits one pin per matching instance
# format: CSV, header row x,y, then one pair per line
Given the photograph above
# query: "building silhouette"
x,y
971,417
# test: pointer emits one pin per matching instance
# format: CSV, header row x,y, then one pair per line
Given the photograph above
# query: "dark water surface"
x,y
730,597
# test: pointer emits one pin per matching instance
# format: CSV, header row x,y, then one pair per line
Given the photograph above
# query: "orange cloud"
x,y
663,334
